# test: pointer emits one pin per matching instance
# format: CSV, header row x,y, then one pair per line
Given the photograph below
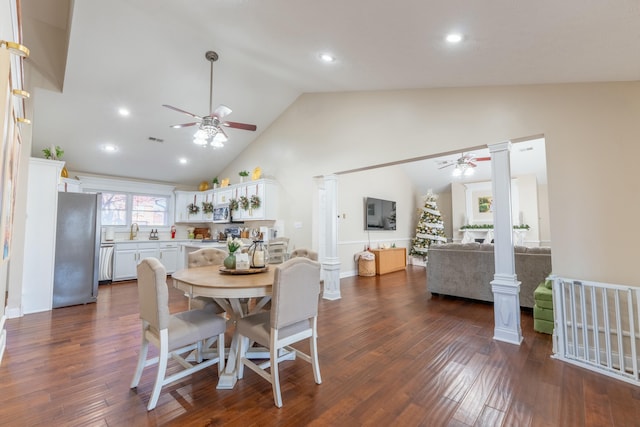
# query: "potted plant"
x,y
56,153
243,175
233,204
215,181
53,152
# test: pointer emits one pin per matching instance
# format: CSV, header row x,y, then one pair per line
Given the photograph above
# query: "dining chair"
x,y
173,334
277,249
303,252
200,258
293,317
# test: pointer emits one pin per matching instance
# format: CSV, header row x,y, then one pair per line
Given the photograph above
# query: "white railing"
x,y
596,326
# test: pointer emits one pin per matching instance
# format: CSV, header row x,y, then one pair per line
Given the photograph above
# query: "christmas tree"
x,y
430,227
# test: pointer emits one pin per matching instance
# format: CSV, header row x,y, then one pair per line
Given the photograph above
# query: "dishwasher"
x,y
105,272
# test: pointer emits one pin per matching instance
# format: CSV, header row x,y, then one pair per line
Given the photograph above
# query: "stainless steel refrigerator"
x,y
75,277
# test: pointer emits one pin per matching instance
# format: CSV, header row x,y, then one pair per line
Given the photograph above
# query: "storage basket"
x,y
366,267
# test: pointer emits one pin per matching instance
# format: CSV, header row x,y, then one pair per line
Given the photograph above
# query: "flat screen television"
x,y
379,214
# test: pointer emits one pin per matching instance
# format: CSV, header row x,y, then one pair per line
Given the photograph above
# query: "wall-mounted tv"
x,y
379,214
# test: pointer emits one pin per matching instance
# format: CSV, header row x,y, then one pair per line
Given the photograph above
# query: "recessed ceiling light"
x,y
454,38
327,57
123,112
182,161
109,148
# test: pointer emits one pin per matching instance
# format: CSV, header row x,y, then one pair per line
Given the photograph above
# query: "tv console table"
x,y
390,260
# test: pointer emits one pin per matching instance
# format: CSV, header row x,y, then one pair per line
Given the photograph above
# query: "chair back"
x,y
206,256
296,287
153,293
306,253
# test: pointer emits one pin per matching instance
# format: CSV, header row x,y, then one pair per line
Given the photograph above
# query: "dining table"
x,y
232,290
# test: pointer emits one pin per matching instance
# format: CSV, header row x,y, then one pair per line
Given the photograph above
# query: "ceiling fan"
x,y
464,164
210,129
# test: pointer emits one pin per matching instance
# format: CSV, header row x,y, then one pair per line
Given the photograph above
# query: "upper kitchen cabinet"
x,y
189,206
257,200
260,196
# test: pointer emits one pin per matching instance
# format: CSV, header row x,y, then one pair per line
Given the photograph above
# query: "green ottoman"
x,y
543,308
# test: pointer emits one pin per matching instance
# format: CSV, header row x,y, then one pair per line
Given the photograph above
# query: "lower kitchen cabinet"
x,y
127,256
169,256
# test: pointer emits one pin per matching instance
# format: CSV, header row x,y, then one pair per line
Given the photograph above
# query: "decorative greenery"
x,y
490,227
234,245
193,208
233,204
243,173
255,201
49,152
244,202
215,181
207,207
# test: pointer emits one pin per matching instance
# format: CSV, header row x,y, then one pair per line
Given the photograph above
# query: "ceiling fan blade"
x,y
473,165
184,125
181,111
237,125
446,166
482,159
221,111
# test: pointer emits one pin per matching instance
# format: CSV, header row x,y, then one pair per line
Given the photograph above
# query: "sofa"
x,y
466,270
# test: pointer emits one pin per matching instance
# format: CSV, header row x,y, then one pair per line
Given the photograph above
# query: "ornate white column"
x,y
505,285
328,236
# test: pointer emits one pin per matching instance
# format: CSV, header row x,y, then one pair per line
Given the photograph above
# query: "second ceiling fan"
x,y
210,126
465,163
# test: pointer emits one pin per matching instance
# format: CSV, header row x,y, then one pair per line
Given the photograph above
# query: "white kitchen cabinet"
x,y
223,195
127,256
266,191
40,235
185,198
169,256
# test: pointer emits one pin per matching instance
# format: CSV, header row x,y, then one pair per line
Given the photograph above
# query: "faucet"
x,y
134,232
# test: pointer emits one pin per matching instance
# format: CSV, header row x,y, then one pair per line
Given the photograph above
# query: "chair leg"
x,y
144,347
240,353
275,375
313,344
162,368
220,354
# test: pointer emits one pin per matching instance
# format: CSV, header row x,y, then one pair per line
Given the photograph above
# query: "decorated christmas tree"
x,y
430,229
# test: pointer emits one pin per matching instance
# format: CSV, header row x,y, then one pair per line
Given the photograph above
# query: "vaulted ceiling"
x,y
95,57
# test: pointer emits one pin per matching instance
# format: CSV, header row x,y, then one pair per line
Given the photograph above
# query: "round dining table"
x,y
230,290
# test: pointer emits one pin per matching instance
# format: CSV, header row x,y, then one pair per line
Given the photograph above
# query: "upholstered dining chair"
x,y
303,252
201,258
293,317
277,249
173,334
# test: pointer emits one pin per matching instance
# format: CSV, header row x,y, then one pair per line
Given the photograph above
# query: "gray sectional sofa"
x,y
466,270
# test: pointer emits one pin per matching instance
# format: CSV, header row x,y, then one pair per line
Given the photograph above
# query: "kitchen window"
x,y
121,209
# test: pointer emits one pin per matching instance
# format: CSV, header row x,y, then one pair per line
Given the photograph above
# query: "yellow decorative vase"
x,y
204,186
65,172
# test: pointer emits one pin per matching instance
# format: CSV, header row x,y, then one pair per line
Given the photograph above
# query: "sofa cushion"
x,y
543,326
542,313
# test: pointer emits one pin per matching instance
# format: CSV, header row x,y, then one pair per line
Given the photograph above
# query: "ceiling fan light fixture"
x,y
457,171
468,171
216,143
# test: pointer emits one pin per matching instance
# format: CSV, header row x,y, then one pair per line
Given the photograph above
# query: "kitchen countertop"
x,y
190,242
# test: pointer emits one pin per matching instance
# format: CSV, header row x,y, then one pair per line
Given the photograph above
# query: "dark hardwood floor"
x,y
390,354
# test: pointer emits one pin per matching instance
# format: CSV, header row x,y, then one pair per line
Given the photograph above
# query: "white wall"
x,y
591,131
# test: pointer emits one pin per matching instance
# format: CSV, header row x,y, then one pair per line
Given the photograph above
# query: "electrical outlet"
x,y
297,224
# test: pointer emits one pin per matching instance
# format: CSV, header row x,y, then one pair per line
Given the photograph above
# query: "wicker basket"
x,y
366,267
